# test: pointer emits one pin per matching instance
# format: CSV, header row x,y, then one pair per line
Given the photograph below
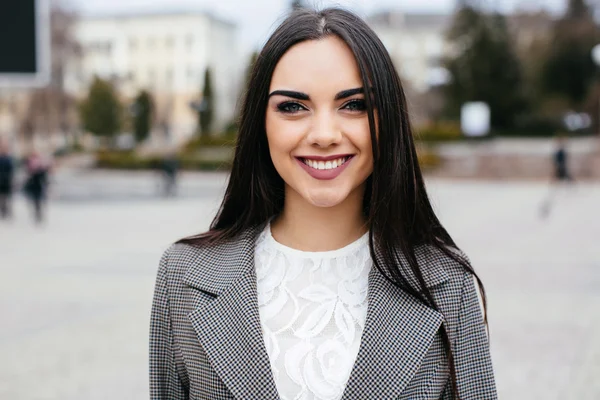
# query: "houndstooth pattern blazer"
x,y
206,340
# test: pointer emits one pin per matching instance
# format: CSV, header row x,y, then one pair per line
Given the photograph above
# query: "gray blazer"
x,y
206,340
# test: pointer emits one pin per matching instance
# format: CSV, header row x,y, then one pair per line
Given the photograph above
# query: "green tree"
x,y
101,112
207,106
568,70
484,67
142,110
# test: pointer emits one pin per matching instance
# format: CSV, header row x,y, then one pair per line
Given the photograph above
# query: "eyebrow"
x,y
303,96
347,93
290,93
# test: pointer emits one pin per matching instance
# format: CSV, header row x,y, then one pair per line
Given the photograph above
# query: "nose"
x,y
324,131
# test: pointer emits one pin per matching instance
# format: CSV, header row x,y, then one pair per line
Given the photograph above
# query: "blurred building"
x,y
166,54
416,43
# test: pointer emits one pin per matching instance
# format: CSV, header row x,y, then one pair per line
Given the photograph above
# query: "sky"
x,y
257,18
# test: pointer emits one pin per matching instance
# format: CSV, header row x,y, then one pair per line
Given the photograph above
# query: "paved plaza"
x,y
75,294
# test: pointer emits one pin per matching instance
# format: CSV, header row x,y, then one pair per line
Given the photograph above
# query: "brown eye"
x,y
290,107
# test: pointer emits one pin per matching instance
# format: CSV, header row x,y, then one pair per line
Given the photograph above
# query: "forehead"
x,y
317,66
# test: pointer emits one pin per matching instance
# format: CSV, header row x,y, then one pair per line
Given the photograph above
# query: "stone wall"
x,y
517,159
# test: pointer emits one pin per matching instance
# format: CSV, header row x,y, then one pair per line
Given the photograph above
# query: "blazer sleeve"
x,y
165,381
474,372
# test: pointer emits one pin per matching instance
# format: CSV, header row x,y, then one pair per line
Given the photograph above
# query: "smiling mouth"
x,y
325,165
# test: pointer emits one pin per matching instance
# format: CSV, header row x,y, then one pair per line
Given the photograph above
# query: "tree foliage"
x,y
101,111
484,66
568,70
206,112
143,110
50,108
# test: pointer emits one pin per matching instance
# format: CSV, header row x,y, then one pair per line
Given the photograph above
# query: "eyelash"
x,y
360,104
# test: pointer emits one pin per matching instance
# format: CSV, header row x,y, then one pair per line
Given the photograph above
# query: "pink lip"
x,y
326,158
324,174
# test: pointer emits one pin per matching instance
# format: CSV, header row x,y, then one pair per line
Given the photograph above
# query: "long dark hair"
x,y
396,206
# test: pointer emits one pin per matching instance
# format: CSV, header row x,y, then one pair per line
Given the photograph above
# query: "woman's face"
x,y
317,124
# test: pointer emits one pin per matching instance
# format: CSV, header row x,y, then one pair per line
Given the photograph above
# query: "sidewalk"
x,y
75,294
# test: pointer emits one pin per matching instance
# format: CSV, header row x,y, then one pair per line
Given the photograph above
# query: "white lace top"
x,y
313,307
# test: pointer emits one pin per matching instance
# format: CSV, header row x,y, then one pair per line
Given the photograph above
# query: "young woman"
x,y
325,274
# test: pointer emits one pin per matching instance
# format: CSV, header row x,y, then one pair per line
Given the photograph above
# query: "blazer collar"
x,y
228,327
215,269
398,328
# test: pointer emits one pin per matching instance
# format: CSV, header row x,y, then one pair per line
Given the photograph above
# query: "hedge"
x,y
131,161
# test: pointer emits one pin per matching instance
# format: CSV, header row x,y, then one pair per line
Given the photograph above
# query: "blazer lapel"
x,y
228,327
398,329
398,332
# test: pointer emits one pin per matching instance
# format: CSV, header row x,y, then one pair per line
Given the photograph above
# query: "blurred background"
x,y
118,121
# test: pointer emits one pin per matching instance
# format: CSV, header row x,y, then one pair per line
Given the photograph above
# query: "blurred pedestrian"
x,y
169,168
7,172
561,166
326,273
36,184
561,176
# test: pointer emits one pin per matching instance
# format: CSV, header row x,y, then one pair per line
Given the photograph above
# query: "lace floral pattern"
x,y
313,307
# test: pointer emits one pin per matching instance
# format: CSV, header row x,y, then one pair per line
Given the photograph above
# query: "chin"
x,y
326,199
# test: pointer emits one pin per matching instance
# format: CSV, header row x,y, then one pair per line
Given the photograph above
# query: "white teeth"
x,y
320,165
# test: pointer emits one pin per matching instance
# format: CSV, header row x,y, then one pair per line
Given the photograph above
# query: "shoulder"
x,y
179,257
208,264
458,293
443,268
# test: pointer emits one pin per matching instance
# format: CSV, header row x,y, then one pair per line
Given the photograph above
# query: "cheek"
x,y
282,135
275,133
358,132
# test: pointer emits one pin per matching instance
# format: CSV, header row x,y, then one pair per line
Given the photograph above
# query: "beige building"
x,y
167,54
416,43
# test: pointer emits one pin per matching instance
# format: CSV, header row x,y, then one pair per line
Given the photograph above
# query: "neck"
x,y
306,227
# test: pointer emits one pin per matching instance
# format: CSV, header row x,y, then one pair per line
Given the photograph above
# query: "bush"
x,y
222,140
131,161
125,160
428,159
199,164
439,132
532,126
